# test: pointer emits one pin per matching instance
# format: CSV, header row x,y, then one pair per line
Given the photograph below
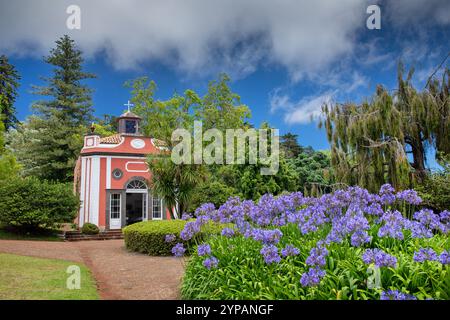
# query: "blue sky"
x,y
285,57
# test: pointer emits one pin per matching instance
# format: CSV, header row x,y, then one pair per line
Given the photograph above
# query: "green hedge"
x,y
149,236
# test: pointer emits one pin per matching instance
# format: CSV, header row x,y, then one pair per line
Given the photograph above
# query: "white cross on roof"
x,y
128,104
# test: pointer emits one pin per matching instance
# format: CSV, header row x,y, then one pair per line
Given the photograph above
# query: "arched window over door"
x,y
136,185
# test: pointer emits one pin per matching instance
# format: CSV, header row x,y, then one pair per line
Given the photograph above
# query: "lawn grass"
x,y
28,278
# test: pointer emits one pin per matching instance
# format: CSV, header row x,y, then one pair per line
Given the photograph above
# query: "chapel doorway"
x,y
135,207
136,202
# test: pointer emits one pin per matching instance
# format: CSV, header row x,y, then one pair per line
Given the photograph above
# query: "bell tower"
x,y
129,122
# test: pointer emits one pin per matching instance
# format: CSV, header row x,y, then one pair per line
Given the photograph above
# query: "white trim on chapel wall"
x,y
95,190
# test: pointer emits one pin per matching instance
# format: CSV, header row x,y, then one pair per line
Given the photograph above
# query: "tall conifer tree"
x,y
49,142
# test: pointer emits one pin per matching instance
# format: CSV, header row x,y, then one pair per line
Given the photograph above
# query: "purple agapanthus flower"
x,y
312,277
228,232
272,236
418,230
205,209
210,263
379,258
178,250
186,216
428,218
396,295
204,250
317,256
190,229
425,254
444,216
393,225
386,193
359,238
289,250
444,257
170,238
409,196
270,254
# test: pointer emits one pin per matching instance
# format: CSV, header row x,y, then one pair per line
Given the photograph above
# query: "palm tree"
x,y
174,183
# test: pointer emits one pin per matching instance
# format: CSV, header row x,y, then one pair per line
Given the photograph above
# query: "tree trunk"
x,y
418,164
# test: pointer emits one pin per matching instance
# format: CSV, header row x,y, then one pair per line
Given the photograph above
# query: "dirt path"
x,y
119,274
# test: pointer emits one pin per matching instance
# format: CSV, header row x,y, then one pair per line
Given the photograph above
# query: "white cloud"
x,y
193,36
304,111
416,13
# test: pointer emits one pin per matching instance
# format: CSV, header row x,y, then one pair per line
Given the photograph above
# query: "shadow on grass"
x,y
15,233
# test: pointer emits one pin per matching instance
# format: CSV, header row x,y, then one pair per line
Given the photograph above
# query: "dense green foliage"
x,y
212,190
9,168
220,108
9,83
46,148
90,228
31,203
309,172
313,168
289,145
149,237
435,191
243,274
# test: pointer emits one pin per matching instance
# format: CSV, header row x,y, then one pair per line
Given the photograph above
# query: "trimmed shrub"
x,y
149,236
30,203
90,228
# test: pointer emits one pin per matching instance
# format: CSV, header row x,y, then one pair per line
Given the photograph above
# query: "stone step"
x,y
79,236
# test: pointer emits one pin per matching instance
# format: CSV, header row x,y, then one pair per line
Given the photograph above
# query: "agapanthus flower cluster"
x,y
445,221
312,277
186,216
228,232
270,254
428,218
425,254
178,250
350,215
379,258
211,262
170,238
396,295
203,250
387,194
290,250
394,222
444,258
360,238
317,256
190,229
409,196
267,236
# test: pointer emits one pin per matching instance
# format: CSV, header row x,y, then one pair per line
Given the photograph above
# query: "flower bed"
x,y
346,245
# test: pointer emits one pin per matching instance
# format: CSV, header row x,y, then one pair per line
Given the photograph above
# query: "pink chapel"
x,y
112,178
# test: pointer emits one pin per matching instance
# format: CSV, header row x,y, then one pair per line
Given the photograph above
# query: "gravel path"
x,y
119,274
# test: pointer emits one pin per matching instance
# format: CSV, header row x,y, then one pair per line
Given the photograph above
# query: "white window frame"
x,y
161,210
113,225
